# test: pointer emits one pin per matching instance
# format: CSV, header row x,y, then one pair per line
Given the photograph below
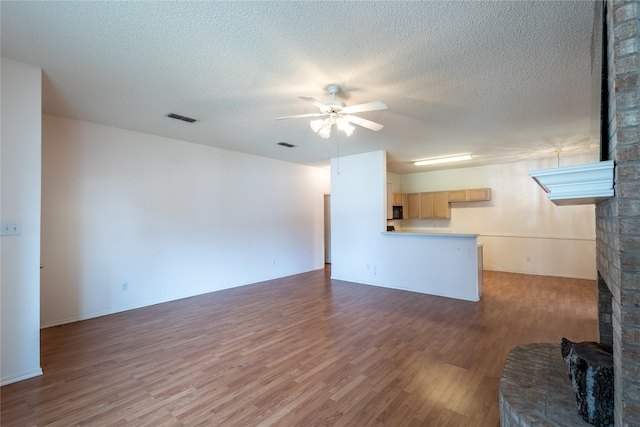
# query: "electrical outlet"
x,y
528,259
125,286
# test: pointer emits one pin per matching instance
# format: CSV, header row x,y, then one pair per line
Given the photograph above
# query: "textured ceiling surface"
x,y
503,80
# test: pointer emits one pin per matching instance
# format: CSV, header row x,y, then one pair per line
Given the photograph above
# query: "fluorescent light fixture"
x,y
436,160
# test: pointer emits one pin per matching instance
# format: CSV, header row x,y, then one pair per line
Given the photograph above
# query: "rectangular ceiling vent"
x,y
183,118
286,144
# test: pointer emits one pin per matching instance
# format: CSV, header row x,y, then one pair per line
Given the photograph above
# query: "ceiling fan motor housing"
x,y
333,106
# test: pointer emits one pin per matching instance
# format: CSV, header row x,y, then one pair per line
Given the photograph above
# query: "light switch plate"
x,y
10,228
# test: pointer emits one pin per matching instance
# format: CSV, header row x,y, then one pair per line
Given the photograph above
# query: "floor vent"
x,y
183,118
286,144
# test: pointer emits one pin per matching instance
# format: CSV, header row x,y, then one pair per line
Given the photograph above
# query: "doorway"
x,y
327,229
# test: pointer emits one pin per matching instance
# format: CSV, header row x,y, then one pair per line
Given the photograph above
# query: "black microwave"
x,y
397,212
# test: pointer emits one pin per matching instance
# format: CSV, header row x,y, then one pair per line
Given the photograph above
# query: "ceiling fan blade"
x,y
369,106
301,115
364,123
315,102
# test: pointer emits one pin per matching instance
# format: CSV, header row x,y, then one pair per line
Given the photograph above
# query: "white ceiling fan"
x,y
336,112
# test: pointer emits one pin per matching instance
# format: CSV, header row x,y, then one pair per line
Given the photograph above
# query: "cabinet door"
x,y
471,195
397,199
426,205
457,195
479,194
441,206
413,205
405,206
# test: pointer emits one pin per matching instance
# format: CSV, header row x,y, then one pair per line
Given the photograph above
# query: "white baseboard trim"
x,y
564,276
148,303
20,377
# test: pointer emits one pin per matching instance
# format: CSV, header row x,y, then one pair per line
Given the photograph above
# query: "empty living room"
x,y
356,213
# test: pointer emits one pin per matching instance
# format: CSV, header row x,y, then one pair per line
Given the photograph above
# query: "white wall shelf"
x,y
576,185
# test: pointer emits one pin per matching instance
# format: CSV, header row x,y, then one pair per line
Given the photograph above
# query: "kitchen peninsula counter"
x,y
437,263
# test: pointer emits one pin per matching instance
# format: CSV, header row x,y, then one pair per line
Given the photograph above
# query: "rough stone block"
x,y
628,170
591,372
630,280
627,118
627,100
624,12
628,190
629,151
629,260
626,83
629,144
631,298
627,29
629,207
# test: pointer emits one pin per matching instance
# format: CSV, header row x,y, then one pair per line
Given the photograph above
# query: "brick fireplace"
x,y
618,218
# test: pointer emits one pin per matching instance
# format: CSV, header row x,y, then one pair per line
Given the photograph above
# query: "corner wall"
x,y
20,152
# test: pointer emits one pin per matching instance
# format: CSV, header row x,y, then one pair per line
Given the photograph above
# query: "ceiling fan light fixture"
x,y
325,130
338,113
344,125
316,125
447,159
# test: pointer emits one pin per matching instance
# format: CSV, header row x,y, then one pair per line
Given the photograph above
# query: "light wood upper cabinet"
x,y
458,195
435,205
426,205
405,206
413,206
441,206
472,195
479,195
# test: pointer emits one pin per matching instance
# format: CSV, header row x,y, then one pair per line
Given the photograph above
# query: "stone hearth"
x,y
535,389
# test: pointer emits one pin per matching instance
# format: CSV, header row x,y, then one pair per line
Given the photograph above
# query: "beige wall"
x,y
522,230
131,219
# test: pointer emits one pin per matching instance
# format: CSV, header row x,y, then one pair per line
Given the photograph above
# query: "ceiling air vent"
x,y
183,118
286,144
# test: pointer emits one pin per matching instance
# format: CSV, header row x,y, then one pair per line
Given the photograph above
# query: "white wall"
x,y
169,218
20,254
522,230
358,215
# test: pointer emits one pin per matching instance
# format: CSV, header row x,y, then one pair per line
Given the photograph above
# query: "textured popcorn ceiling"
x,y
504,80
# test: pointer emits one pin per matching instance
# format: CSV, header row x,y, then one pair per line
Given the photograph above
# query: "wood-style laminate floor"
x,y
299,351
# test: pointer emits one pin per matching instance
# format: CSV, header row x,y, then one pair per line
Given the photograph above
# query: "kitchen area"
x,y
442,220
405,210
